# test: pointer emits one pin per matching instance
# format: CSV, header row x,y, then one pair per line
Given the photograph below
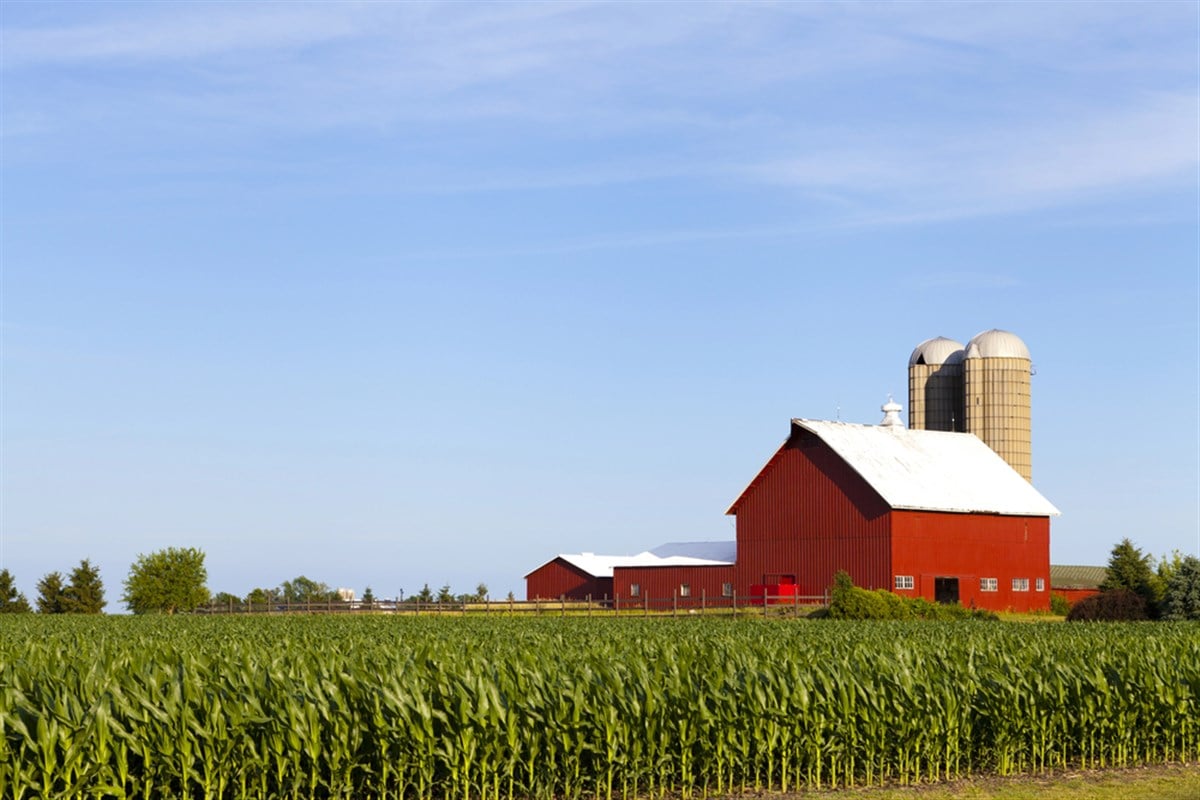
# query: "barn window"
x,y
635,590
988,585
904,581
685,590
1041,584
1020,584
727,590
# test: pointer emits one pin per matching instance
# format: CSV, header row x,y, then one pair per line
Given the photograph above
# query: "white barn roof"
x,y
931,470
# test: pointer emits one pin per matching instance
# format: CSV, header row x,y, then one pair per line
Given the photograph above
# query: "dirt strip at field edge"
x,y
1152,782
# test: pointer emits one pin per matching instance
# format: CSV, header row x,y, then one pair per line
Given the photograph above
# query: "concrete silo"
x,y
996,377
935,386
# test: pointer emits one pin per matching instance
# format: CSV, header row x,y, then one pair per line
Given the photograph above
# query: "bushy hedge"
x,y
1059,604
1114,605
848,601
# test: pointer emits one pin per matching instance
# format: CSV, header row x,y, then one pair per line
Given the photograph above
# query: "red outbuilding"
x,y
693,569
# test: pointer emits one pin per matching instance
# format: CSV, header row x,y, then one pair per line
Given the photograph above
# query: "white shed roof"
x,y
932,470
673,554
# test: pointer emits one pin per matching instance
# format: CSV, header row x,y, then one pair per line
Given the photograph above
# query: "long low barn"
x,y
583,576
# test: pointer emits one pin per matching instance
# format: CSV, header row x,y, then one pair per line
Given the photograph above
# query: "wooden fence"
x,y
645,605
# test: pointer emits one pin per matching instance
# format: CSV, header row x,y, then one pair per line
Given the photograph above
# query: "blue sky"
x,y
392,293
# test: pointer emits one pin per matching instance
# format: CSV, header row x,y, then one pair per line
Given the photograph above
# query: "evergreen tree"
x,y
11,601
84,593
1182,599
50,594
1130,569
368,598
425,595
444,594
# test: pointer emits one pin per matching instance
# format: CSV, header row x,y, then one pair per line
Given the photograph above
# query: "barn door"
x,y
945,590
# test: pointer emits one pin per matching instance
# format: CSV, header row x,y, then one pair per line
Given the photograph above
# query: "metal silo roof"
x,y
997,344
938,350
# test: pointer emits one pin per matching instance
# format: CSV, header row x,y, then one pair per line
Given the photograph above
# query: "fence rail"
x,y
644,605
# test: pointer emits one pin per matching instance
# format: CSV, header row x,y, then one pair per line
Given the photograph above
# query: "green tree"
x,y
1131,569
368,598
1182,596
84,593
50,594
225,601
260,597
11,600
305,590
444,594
425,595
167,581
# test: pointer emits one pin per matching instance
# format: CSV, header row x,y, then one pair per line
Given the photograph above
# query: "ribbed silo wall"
x,y
998,408
935,397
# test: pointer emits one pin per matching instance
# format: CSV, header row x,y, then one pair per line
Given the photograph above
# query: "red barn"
x,y
696,569
1076,583
922,513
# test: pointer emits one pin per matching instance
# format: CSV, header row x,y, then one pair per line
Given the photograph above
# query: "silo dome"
x,y
938,350
997,344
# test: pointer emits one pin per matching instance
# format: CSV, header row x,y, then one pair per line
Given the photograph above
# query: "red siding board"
x,y
808,514
1073,596
660,584
559,578
929,545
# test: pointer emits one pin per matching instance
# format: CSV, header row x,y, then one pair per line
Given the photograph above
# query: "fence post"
x,y
703,598
764,602
674,602
646,604
733,603
562,598
795,602
616,605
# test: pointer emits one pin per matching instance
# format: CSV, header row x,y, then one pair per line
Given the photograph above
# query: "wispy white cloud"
x,y
805,97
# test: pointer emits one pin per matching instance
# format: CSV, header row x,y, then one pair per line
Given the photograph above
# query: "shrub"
x,y
848,601
1059,605
1115,605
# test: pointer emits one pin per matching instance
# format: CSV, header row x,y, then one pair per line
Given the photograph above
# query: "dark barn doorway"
x,y
945,590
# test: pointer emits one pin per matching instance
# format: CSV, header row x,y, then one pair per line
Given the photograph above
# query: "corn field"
x,y
383,707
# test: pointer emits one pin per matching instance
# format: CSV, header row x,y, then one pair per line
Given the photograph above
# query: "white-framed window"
x,y
685,590
1041,584
635,590
1020,584
904,581
989,585
727,590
